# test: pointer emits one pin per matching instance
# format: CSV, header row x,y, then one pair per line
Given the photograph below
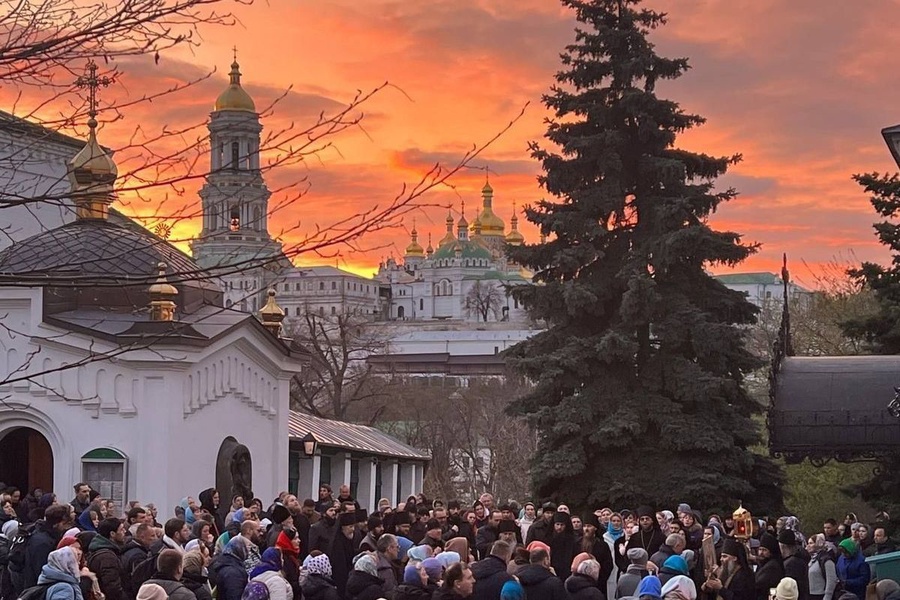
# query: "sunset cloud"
x,y
800,89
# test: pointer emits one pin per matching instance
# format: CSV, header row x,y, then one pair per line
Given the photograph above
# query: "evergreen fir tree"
x,y
882,329
638,394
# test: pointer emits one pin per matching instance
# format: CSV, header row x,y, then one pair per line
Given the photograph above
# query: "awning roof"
x,y
350,436
834,406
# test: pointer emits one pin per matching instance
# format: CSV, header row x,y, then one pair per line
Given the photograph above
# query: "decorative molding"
x,y
230,376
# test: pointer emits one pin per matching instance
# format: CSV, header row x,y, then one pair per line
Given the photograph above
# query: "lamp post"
x,y
310,443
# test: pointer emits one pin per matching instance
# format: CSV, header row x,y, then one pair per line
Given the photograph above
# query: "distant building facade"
x,y
762,289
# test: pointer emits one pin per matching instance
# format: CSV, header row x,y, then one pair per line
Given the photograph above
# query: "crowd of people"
x,y
332,549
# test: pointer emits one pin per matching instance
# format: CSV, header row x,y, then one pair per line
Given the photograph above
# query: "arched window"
x,y
421,304
214,218
257,218
235,155
400,312
235,224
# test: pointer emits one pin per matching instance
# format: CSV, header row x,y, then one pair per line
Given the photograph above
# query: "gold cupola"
x,y
448,238
430,249
514,237
162,296
414,248
462,226
92,172
235,97
491,224
272,315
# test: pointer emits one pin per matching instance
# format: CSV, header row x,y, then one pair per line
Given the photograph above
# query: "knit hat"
x,y
787,590
537,545
682,587
10,528
768,541
411,575
561,517
787,537
638,556
548,507
151,591
192,562
448,558
66,541
507,526
676,563
434,569
512,590
280,513
849,545
318,565
684,507
650,586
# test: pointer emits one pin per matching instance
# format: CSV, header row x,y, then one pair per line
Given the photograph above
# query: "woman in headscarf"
x,y
822,570
62,574
615,539
268,572
582,584
679,588
526,518
417,554
209,499
318,584
363,582
230,575
194,575
202,530
415,580
288,541
460,545
88,519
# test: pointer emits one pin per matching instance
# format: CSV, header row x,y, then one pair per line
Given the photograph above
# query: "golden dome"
x,y
235,97
491,224
92,174
515,237
448,238
414,249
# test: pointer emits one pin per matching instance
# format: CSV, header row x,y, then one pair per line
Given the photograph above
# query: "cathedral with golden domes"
x,y
466,278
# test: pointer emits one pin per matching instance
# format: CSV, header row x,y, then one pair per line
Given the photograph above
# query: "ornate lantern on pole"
x,y
743,523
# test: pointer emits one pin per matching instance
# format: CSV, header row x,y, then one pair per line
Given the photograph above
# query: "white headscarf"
x,y
64,560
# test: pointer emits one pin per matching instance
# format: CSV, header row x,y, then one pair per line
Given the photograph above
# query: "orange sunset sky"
x,y
800,88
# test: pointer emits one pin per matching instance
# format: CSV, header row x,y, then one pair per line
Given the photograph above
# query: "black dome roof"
x,y
95,253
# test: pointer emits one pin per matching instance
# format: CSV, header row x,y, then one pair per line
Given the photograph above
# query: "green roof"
x,y
494,275
749,279
470,249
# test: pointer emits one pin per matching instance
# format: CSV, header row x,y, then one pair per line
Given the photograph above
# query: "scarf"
x,y
271,561
318,565
64,560
614,533
367,564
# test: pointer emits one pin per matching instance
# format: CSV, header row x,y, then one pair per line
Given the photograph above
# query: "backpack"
x,y
255,590
36,592
17,547
144,570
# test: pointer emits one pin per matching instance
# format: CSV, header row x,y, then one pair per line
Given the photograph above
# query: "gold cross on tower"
x,y
92,83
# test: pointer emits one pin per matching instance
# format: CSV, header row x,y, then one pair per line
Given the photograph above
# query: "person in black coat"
x,y
322,532
542,529
318,584
491,572
769,570
47,533
209,499
539,581
582,585
230,575
734,579
342,551
596,546
562,545
648,536
363,582
796,562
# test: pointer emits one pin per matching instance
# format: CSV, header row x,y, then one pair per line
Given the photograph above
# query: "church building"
x,y
120,364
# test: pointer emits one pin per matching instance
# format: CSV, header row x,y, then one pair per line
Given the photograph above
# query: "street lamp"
x,y
309,442
891,137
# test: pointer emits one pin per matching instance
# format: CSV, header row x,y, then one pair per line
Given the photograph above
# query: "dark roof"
x,y
350,436
20,126
834,406
440,362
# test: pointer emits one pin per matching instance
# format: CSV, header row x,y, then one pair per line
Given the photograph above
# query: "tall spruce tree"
x,y
638,394
882,329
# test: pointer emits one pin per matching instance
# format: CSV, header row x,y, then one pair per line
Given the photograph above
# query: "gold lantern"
x,y
743,523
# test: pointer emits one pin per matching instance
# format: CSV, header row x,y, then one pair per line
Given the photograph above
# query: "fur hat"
x,y
507,526
280,513
347,518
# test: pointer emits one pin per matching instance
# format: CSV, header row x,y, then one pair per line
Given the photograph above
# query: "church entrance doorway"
x,y
26,460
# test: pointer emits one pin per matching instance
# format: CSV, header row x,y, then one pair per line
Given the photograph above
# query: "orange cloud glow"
x,y
800,89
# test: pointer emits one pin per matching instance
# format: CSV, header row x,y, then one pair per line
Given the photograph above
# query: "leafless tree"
x,y
339,375
483,300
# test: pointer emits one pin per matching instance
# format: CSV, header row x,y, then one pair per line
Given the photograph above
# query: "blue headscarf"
x,y
238,516
677,563
512,590
650,586
614,533
84,521
271,561
405,545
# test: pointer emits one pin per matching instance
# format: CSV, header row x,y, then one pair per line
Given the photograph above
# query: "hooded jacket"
x,y
363,586
103,560
540,584
767,576
206,501
62,585
42,542
230,575
490,575
853,571
319,587
583,587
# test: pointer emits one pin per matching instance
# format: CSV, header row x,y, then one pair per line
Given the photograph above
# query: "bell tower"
x,y
235,201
